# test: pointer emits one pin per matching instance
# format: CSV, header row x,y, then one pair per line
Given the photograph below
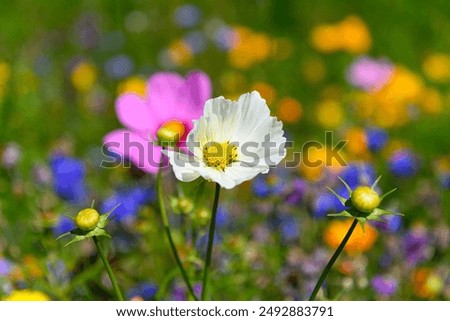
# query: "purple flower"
x,y
187,15
392,223
416,246
384,285
369,74
296,192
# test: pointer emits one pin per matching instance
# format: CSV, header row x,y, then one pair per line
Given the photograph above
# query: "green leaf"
x,y
341,214
386,194
362,221
376,182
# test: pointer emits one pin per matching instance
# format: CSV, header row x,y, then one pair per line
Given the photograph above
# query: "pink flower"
x,y
170,105
369,74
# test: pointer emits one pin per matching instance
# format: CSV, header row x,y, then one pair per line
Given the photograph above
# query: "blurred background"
x,y
376,73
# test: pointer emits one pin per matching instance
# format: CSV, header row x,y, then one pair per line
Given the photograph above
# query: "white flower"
x,y
231,143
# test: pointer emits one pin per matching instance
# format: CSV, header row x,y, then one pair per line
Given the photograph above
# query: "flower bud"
x,y
365,199
170,133
87,219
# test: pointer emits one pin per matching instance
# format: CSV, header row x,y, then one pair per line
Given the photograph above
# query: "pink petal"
x,y
144,154
167,95
135,114
199,89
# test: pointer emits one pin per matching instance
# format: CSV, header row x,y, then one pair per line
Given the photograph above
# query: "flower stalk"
x,y
212,228
108,268
165,221
333,259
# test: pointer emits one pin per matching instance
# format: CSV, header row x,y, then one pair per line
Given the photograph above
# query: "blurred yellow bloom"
x,y
249,48
431,101
427,284
134,84
5,73
282,48
232,83
437,67
313,70
180,53
32,267
351,35
83,76
289,110
354,35
360,241
314,172
26,295
329,113
267,91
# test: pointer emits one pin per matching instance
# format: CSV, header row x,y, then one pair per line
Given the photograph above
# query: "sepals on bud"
x,y
89,224
363,203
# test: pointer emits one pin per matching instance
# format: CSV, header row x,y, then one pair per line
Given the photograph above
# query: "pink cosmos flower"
x,y
170,105
369,74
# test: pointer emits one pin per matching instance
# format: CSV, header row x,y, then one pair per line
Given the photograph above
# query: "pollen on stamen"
x,y
219,155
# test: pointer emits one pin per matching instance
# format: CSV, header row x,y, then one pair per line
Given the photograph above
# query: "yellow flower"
x,y
313,69
5,72
26,295
437,67
83,76
312,171
329,114
249,48
354,35
351,35
431,101
180,53
360,241
427,284
136,85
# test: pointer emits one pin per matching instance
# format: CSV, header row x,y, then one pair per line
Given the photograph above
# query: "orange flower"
x,y
426,283
249,48
267,91
317,161
360,241
289,110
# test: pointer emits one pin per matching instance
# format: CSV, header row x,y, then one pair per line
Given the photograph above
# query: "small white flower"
x,y
231,143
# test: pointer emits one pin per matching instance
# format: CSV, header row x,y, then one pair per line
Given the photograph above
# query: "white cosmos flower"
x,y
231,143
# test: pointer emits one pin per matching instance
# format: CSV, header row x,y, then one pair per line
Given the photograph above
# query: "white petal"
x,y
183,166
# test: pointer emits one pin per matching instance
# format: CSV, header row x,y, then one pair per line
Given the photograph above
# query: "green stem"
x,y
333,259
169,234
212,228
108,269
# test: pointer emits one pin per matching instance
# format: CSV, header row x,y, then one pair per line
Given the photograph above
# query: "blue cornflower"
x,y
403,163
326,203
130,200
376,138
187,15
289,228
69,178
145,290
63,225
358,173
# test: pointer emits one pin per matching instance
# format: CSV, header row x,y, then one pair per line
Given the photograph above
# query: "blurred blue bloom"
x,y
326,203
444,179
222,217
224,38
376,138
112,41
64,225
187,15
5,266
69,178
11,155
196,41
266,185
403,163
392,223
289,228
297,192
119,67
384,285
202,243
130,200
416,245
358,173
145,290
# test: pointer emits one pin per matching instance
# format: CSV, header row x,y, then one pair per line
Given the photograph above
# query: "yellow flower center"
x,y
170,132
219,155
87,219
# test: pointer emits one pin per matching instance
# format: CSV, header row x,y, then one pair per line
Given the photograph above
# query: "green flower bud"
x,y
365,199
87,219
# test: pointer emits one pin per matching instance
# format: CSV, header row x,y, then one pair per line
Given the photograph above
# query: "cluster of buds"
x,y
89,224
363,203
